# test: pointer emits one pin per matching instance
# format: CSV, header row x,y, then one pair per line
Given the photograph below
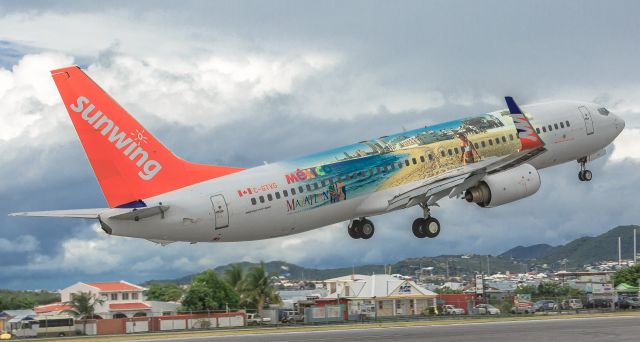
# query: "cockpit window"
x,y
603,111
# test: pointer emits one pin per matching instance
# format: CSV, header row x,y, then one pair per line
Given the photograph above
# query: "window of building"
x,y
125,296
261,199
114,296
277,194
285,193
398,302
380,306
555,126
567,122
253,201
134,296
561,124
269,197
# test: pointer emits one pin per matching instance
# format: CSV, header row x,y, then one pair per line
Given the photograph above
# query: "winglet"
x,y
529,139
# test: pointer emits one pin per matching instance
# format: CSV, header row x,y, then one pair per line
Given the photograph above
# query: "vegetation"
x,y
628,275
16,300
234,275
164,292
210,292
84,306
549,290
447,290
258,289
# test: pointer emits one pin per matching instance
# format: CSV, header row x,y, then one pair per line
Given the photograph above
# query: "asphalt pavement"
x,y
617,329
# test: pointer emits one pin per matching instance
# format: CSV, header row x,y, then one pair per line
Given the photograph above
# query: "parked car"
x,y
522,308
255,319
452,310
292,317
544,305
629,303
485,309
598,303
572,303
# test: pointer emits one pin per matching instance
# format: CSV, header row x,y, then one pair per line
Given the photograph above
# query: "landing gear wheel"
x,y
431,227
581,175
366,229
587,175
354,229
417,228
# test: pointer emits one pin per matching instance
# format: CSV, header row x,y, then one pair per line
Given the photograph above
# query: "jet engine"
x,y
504,187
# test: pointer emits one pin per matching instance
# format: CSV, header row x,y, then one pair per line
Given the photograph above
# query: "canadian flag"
x,y
243,192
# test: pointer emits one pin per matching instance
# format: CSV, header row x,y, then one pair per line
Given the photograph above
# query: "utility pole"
x,y
619,251
488,265
634,247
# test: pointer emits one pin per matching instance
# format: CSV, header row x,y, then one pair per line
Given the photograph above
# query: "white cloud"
x,y
627,146
23,243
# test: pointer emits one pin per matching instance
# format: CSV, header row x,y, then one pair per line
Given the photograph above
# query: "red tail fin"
x,y
128,161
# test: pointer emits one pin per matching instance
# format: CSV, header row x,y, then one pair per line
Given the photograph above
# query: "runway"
x,y
617,329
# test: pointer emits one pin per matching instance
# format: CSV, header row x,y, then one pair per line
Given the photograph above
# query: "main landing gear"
x,y
361,229
584,175
427,226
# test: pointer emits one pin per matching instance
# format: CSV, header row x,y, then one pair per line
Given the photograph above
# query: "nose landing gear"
x,y
584,175
427,226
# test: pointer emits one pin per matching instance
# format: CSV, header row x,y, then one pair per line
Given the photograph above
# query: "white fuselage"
x,y
217,210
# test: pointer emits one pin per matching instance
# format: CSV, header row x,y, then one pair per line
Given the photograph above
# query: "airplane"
x,y
490,159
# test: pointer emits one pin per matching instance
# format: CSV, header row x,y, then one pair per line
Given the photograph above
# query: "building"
x,y
380,295
119,299
12,317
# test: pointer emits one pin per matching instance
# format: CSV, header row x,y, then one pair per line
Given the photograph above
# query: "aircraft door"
x,y
220,212
588,121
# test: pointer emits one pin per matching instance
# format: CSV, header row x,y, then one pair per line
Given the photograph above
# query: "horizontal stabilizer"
x,y
72,213
137,214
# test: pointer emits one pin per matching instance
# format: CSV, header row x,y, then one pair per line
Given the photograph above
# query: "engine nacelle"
x,y
504,187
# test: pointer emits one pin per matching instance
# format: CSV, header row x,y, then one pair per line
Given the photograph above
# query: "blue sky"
x,y
302,77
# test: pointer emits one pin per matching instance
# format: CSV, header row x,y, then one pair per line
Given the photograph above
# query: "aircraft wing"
x,y
73,213
455,182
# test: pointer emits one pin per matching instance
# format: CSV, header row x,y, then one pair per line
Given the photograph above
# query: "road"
x,y
618,329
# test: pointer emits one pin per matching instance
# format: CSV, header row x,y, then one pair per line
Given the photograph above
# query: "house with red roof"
x,y
119,299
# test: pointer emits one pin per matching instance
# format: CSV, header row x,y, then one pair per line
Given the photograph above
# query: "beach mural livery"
x,y
354,170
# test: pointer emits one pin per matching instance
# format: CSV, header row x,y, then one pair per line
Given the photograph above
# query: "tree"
x,y
164,292
447,290
258,288
234,275
629,275
83,304
209,292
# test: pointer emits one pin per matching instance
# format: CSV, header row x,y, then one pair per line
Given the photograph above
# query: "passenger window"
x,y
561,124
269,197
450,153
300,189
455,150
285,193
261,199
483,144
442,153
550,128
490,142
346,178
308,187
497,141
293,191
430,156
544,129
414,161
511,137
330,180
462,149
370,173
422,159
363,173
253,201
378,169
555,126
277,194
406,162
399,165
504,139
476,145
316,186
392,166
567,122
538,130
